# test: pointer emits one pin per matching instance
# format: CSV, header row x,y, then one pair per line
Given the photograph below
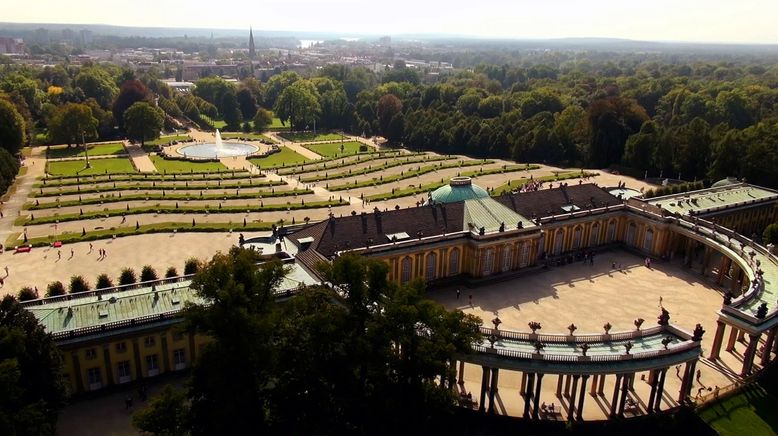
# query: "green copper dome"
x,y
458,189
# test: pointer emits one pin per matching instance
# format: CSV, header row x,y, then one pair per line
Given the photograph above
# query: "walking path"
x,y
140,159
12,207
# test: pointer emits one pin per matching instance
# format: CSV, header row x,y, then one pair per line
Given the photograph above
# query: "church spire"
x,y
252,52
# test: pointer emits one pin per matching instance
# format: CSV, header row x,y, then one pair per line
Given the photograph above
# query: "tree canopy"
x,y
143,122
348,358
31,373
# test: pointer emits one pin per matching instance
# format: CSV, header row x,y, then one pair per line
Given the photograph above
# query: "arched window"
x,y
612,231
453,262
432,259
488,261
506,258
524,257
559,240
594,235
577,238
648,241
407,270
632,231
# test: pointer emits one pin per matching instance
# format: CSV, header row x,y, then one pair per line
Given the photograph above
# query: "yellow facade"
x,y
95,363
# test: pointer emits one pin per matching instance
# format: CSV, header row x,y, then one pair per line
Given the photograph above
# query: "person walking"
x,y
470,298
458,292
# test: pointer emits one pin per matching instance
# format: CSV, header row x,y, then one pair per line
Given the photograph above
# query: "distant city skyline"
x,y
745,21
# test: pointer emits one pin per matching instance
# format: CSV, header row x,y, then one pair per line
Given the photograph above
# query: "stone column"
x,y
652,396
527,394
571,406
734,280
493,389
166,356
461,372
723,268
523,389
732,339
688,380
748,356
660,389
581,396
484,387
615,399
601,387
715,349
567,385
595,382
559,379
768,346
536,395
624,389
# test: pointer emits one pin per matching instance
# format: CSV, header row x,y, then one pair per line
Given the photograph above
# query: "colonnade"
x,y
770,345
574,387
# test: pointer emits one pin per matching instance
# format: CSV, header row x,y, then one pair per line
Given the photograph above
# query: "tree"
x,y
239,298
78,284
231,111
277,84
131,92
103,282
262,120
143,121
97,83
12,127
247,103
26,294
55,289
171,272
148,274
640,148
166,414
127,277
72,121
612,120
770,235
31,373
388,107
191,266
212,90
298,104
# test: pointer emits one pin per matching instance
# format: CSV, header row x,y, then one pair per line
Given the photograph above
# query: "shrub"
x,y
127,277
171,272
78,284
103,281
191,266
55,288
770,235
26,294
148,274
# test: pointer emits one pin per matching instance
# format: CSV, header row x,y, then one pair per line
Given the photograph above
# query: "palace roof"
x,y
714,199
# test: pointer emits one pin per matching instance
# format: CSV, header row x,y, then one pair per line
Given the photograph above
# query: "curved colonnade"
x,y
750,308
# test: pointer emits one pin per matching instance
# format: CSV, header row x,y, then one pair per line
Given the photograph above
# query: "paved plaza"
x,y
589,297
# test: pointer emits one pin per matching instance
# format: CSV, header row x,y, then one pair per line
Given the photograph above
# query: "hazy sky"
x,y
663,20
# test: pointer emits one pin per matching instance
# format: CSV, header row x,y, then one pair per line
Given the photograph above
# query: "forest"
x,y
672,116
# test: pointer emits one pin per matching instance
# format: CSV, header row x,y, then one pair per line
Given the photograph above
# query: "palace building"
x,y
462,234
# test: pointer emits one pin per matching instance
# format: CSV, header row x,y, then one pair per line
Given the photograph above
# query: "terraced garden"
x,y
112,199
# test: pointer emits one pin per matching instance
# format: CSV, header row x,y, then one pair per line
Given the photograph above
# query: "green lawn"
x,y
94,150
165,140
252,136
334,149
285,157
751,412
219,124
98,166
183,166
277,125
311,137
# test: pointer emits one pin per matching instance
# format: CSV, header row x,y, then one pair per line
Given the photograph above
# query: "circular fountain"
x,y
217,149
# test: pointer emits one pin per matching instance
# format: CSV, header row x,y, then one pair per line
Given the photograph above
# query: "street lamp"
x,y
86,150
